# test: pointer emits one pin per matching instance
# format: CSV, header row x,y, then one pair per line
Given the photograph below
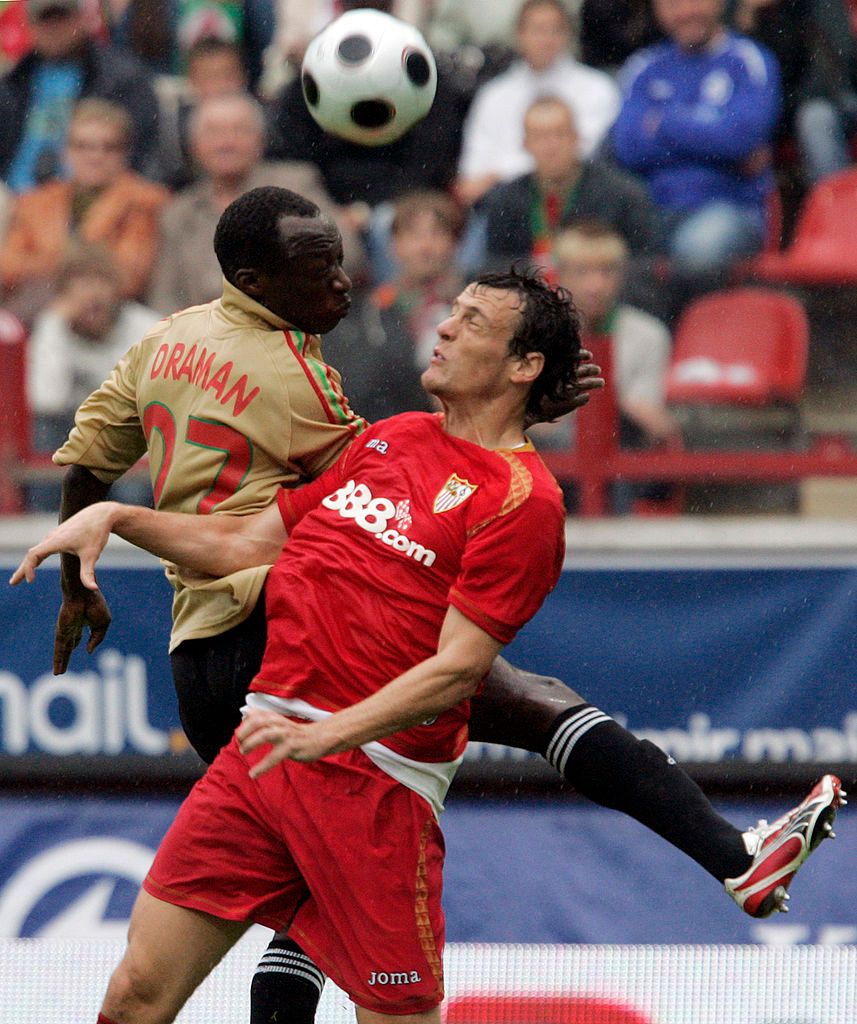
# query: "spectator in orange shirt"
x,y
102,202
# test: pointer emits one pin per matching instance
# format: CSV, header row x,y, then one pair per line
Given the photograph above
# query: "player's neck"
x,y
488,424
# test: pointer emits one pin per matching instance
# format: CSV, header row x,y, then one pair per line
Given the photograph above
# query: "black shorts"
x,y
212,676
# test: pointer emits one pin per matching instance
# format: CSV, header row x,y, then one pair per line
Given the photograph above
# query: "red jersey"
x,y
407,522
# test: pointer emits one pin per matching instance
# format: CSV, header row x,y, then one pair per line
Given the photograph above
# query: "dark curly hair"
x,y
248,232
548,323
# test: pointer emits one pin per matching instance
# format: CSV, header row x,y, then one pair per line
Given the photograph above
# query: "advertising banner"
x,y
755,664
717,666
114,713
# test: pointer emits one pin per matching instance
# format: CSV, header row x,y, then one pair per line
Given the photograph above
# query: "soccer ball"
x,y
368,77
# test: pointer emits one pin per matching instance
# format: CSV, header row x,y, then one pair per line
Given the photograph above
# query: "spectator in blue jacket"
x,y
698,117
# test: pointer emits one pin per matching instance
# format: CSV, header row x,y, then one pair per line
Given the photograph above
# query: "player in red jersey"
x,y
282,267
409,564
769,856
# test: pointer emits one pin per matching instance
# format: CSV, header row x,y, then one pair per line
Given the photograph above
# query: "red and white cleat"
x,y
778,850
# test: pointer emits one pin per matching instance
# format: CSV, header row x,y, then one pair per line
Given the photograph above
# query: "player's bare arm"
x,y
81,607
464,656
216,545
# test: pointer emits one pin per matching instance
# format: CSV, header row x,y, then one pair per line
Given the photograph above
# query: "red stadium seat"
x,y
822,251
14,410
746,347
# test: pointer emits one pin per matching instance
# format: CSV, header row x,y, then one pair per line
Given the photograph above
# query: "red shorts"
x,y
337,852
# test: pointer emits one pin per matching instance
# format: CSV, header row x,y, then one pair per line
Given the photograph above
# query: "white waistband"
x,y
431,779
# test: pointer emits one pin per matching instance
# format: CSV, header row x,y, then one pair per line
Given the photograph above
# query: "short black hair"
x,y
248,232
548,323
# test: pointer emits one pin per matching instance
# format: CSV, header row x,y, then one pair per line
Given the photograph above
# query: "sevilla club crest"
x,y
453,493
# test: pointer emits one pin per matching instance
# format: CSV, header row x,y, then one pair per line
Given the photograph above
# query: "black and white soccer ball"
x,y
368,77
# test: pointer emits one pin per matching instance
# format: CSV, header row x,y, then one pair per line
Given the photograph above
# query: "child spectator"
x,y
75,343
591,261
383,355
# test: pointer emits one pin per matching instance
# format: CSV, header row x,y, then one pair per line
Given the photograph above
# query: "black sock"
x,y
610,766
286,987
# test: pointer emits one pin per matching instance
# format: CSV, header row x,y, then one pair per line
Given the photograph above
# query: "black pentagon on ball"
x,y
354,49
372,113
417,67
310,86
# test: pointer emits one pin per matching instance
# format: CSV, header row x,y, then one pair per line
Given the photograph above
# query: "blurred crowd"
x,y
636,150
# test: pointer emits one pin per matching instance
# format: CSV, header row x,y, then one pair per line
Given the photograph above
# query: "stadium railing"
x,y
597,459
595,463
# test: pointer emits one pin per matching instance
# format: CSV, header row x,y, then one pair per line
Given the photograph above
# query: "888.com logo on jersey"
x,y
356,502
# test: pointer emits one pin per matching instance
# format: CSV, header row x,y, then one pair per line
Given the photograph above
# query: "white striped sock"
x,y
283,961
569,733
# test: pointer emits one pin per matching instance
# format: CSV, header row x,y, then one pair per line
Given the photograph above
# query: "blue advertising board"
x,y
117,701
755,665
711,664
737,664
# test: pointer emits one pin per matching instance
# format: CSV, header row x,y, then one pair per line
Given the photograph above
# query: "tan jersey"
x,y
231,404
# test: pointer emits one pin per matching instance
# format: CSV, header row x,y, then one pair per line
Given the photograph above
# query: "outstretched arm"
x,y
215,545
464,655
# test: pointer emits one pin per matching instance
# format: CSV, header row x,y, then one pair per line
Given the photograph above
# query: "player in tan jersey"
x,y
282,264
232,402
201,392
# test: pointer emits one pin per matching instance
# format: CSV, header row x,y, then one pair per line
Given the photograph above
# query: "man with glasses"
x,y
103,202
